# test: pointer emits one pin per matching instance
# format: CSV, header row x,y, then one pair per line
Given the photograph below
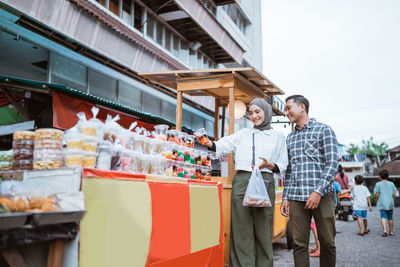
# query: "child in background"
x,y
315,251
385,193
361,202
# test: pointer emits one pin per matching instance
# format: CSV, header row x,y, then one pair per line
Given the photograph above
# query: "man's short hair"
x,y
299,99
384,174
359,179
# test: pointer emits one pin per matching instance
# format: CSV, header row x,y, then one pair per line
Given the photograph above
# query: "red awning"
x,y
65,109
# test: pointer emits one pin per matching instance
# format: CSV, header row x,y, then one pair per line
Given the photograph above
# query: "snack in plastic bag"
x,y
256,193
94,126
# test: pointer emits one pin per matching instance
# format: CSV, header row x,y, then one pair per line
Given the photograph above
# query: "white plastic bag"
x,y
256,192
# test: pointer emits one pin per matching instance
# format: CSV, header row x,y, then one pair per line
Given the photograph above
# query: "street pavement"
x,y
353,250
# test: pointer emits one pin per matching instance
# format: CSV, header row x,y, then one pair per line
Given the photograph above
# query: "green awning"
x,y
85,96
9,115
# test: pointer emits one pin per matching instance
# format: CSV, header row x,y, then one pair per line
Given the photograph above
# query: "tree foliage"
x,y
369,147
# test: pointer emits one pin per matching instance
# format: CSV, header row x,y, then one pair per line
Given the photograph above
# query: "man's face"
x,y
294,111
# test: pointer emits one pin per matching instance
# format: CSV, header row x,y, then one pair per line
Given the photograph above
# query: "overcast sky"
x,y
344,56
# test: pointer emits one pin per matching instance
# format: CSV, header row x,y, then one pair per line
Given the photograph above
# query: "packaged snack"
x,y
126,161
6,155
23,135
116,159
186,155
172,136
137,161
93,127
54,134
104,157
182,138
162,162
73,158
190,141
22,164
155,146
5,165
44,159
23,144
145,164
74,140
202,135
22,154
89,144
138,145
161,131
89,159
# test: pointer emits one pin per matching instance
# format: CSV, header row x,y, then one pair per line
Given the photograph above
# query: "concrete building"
x,y
98,47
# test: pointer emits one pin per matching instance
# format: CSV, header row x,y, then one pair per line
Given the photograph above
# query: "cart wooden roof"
x,y
248,83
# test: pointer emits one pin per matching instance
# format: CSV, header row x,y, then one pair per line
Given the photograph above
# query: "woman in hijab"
x,y
251,228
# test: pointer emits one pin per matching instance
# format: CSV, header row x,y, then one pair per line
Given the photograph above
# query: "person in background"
x,y
342,178
385,194
251,228
308,191
361,202
315,251
337,189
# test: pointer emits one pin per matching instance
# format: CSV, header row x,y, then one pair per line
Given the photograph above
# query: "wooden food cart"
x,y
226,86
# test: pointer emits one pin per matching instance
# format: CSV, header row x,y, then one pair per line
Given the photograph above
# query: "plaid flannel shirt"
x,y
313,161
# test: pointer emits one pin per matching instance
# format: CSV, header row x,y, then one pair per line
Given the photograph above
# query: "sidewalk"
x,y
354,250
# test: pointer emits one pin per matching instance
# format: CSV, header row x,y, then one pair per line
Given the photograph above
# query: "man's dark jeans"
x,y
324,217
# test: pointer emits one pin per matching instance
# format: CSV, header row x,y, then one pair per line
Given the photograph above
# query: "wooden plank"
x,y
216,120
226,205
179,111
13,257
56,250
205,77
206,84
231,105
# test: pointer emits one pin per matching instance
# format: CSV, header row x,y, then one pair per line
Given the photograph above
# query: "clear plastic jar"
x,y
138,145
74,140
49,134
73,158
22,164
161,131
145,164
89,144
22,144
126,161
89,159
172,136
23,135
104,157
22,154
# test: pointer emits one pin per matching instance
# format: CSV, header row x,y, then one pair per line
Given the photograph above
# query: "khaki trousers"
x,y
324,217
251,228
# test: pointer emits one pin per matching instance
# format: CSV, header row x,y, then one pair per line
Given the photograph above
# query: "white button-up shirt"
x,y
269,144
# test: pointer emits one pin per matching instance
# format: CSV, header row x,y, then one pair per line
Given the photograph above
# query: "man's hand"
x,y
370,208
285,208
266,164
313,201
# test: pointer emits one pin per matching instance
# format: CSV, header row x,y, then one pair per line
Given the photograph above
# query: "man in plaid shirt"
x,y
308,191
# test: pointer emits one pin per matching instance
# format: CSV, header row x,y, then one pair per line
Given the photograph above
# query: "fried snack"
x,y
35,202
48,207
26,135
18,205
5,202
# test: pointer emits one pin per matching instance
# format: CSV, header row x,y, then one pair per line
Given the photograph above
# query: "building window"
x,y
127,12
236,16
129,96
159,33
198,122
184,53
168,35
102,2
187,118
114,6
102,85
209,127
138,20
175,46
150,25
68,72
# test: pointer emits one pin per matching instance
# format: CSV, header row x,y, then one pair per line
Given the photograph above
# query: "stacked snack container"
x,y
48,149
23,142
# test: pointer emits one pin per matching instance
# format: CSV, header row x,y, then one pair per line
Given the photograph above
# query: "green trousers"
x,y
300,219
251,228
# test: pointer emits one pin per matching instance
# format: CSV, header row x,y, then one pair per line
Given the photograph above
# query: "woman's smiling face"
x,y
257,115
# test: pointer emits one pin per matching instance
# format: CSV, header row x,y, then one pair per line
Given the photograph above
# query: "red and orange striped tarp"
x,y
138,220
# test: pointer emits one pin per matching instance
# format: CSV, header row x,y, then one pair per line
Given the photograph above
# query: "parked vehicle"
x,y
345,204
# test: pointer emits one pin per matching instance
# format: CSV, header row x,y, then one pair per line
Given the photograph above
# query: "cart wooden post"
x,y
226,86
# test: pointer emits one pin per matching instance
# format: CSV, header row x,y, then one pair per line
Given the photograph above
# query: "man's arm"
x,y
330,153
376,197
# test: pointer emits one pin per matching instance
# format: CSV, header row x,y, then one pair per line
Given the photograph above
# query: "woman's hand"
x,y
266,164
